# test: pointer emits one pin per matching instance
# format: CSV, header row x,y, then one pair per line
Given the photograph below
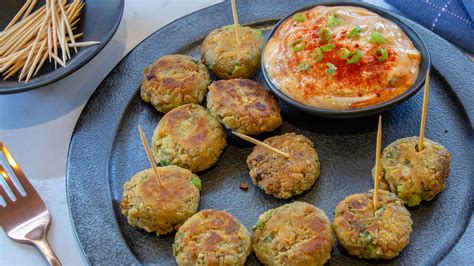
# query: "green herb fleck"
x,y
354,57
343,53
331,70
376,38
355,32
333,20
268,238
317,55
299,17
297,45
366,236
303,66
325,34
163,163
196,182
328,47
414,200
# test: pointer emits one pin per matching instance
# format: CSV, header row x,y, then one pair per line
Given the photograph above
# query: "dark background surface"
x,y
346,149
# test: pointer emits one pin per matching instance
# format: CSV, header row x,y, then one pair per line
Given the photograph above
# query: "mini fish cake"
x,y
282,177
161,209
212,237
188,136
229,59
296,233
174,80
412,175
365,234
244,106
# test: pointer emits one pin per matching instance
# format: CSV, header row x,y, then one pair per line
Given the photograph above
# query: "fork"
x,y
26,219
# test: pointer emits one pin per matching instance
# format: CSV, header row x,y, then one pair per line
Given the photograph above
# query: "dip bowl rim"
x,y
415,38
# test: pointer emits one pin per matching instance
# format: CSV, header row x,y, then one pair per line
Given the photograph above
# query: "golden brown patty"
x,y
174,80
414,176
230,59
282,177
212,237
296,233
190,137
163,208
244,106
365,235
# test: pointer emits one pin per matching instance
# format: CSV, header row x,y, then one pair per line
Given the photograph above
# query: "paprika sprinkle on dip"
x,y
340,58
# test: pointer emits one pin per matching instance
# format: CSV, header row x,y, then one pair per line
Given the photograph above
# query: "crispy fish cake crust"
x,y
364,235
212,237
414,176
229,59
160,209
188,136
244,106
281,177
174,80
296,233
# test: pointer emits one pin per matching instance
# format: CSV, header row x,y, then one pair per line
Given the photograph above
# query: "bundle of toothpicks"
x,y
31,38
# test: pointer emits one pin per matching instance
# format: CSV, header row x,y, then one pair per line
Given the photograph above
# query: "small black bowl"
x,y
425,64
99,21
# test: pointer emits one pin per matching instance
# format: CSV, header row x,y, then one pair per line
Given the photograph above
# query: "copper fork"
x,y
26,219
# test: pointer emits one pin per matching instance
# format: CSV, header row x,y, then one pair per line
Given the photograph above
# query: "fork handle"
x,y
45,248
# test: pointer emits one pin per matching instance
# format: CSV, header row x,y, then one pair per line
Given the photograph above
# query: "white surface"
x,y
36,126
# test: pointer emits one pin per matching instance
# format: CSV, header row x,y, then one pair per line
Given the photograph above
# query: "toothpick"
x,y
236,20
30,8
261,144
423,111
18,15
150,157
377,164
83,44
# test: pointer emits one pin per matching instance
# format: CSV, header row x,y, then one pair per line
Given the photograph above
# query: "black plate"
x,y
105,149
420,45
99,21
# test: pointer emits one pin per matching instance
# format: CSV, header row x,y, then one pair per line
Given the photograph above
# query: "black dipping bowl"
x,y
425,64
99,21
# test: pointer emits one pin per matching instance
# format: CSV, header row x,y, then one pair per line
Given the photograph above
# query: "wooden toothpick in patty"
x,y
377,164
261,144
236,20
150,157
423,111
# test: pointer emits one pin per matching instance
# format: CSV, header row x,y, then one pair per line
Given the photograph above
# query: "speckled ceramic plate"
x,y
106,151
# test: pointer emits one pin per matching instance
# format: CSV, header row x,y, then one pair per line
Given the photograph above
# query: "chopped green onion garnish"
x,y
343,53
331,70
163,163
317,55
299,17
376,37
328,47
333,20
354,57
303,66
325,34
381,54
297,45
355,32
196,182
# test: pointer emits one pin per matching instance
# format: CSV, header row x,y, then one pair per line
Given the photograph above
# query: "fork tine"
x,y
5,196
29,189
9,182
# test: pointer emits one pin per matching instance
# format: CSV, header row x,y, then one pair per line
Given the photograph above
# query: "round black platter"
x,y
99,21
105,149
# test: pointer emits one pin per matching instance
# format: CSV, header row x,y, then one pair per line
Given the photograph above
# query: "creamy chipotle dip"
x,y
340,57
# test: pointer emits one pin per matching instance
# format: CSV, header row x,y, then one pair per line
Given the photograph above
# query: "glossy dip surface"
x,y
332,57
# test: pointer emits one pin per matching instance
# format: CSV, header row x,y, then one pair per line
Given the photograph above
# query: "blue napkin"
x,y
452,19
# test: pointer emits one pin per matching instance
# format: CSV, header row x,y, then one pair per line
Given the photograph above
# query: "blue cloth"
x,y
452,19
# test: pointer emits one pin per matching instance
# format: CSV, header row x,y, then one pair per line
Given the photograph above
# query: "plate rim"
x,y
469,113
